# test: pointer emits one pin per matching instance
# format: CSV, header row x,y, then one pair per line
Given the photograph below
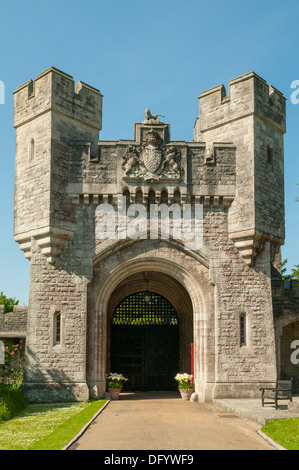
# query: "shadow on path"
x,y
138,396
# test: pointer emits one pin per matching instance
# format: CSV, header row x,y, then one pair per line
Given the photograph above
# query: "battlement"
x,y
54,90
13,324
248,94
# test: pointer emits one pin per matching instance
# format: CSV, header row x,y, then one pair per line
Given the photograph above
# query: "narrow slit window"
x,y
30,89
31,150
243,333
57,329
270,155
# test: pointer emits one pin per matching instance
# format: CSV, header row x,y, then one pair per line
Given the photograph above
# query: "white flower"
x,y
183,377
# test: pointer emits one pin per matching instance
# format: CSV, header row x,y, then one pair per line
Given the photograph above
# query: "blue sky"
x,y
158,54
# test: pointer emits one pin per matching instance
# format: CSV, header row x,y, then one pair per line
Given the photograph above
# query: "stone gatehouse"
x,y
111,293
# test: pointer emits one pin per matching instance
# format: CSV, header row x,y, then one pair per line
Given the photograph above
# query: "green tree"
x,y
8,302
284,269
294,271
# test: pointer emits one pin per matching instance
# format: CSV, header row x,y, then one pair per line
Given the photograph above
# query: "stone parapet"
x,y
13,324
248,94
53,90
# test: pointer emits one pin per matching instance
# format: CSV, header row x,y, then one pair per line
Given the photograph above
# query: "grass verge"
x,y
285,432
47,426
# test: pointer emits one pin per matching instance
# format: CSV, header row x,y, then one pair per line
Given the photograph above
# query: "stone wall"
x,y
63,172
49,114
286,317
13,322
13,327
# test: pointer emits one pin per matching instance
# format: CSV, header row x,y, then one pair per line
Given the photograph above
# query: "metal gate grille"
x,y
145,342
136,310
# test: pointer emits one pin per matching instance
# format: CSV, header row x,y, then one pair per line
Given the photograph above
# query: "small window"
x,y
243,332
31,150
270,155
30,89
57,328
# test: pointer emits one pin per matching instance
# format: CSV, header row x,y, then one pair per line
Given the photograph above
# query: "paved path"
x,y
163,421
251,408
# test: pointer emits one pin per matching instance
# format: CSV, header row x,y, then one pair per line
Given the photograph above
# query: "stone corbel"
x,y
210,155
274,250
249,246
50,241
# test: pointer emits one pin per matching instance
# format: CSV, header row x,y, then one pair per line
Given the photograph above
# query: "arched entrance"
x,y
180,278
145,342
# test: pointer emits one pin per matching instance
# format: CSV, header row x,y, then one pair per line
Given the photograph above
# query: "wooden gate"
x,y
145,342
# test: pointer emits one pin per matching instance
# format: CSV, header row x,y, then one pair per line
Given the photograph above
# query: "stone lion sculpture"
x,y
148,116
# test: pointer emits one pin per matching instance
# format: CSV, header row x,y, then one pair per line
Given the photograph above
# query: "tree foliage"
x,y
295,272
294,275
8,302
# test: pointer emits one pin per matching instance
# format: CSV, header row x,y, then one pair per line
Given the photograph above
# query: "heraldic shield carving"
x,y
153,161
152,152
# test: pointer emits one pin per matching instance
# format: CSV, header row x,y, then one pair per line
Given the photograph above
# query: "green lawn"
x,y
46,426
285,432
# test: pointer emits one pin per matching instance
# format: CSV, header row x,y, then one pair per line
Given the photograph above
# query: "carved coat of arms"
x,y
151,155
153,161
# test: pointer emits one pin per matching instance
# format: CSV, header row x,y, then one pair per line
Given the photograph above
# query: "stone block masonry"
x,y
49,115
222,292
13,327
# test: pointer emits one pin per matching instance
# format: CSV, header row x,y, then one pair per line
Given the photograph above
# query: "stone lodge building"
x,y
144,302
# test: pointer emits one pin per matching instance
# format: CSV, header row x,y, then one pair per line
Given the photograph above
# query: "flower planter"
x,y
115,383
186,394
114,393
186,385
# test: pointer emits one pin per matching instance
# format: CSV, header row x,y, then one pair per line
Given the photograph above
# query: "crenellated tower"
x,y
252,116
49,114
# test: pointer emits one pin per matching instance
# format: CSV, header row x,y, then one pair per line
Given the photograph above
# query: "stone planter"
x,y
186,394
114,393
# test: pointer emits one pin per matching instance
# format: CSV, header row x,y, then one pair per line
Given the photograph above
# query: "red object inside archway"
x,y
190,359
